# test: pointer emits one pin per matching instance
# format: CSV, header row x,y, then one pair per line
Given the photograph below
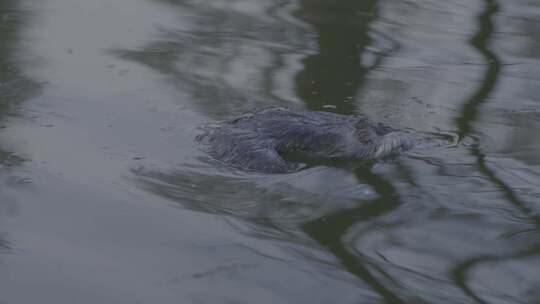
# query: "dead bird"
x,y
260,141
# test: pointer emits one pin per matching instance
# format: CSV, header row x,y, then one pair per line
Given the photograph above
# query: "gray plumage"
x,y
259,141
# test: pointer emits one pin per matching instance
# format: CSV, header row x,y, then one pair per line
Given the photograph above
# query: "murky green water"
x,y
106,198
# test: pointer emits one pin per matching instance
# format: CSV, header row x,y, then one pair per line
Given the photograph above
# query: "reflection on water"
x,y
14,88
480,41
331,78
331,232
462,272
454,224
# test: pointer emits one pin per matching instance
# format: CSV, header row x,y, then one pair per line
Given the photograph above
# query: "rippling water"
x,y
106,198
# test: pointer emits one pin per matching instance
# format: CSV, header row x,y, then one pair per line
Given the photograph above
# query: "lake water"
x,y
106,198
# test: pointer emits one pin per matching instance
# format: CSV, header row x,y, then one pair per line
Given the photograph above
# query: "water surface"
x,y
106,198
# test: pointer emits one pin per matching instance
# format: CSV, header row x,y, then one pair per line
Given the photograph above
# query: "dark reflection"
x,y
480,41
330,231
230,61
329,81
468,117
331,78
14,87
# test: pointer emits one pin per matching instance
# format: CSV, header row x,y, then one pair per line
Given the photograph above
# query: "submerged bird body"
x,y
259,141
